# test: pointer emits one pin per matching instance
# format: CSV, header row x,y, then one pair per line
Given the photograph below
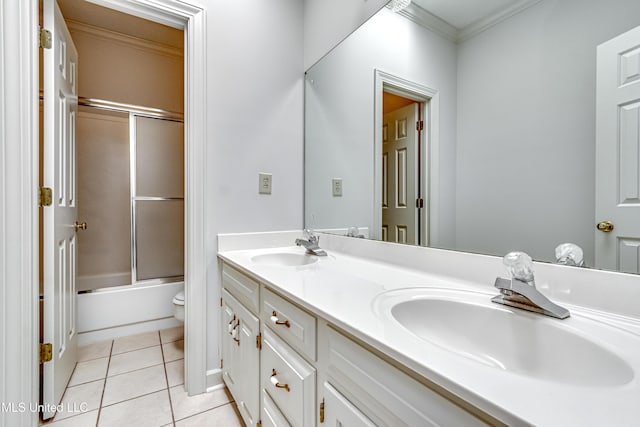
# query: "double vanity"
x,y
381,334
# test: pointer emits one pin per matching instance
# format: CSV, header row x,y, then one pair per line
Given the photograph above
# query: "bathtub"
x,y
110,313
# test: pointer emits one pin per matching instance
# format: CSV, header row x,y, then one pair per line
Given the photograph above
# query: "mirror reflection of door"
x,y
400,169
617,154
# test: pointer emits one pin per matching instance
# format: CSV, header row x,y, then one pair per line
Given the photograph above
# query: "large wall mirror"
x,y
484,127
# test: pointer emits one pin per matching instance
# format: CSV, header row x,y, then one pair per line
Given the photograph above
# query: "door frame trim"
x,y
384,81
19,158
19,282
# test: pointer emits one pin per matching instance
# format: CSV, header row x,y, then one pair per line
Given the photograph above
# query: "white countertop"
x,y
344,290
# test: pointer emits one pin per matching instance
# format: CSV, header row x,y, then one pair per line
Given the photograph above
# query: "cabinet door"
x,y
241,357
230,350
339,412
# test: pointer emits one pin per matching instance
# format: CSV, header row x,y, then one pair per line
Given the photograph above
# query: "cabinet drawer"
x,y
241,286
288,379
271,415
294,325
386,395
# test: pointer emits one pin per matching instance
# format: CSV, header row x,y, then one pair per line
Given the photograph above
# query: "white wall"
x,y
339,130
532,79
327,22
255,109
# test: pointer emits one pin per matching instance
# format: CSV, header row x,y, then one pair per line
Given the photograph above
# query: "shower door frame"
x,y
133,147
19,214
133,112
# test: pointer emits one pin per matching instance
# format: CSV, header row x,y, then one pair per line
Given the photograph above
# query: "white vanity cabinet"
x,y
288,367
240,329
270,381
368,389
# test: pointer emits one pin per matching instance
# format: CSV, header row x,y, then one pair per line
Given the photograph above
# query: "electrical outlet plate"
x,y
264,183
336,185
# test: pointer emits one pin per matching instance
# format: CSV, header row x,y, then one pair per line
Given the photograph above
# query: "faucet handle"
x,y
570,254
520,266
310,235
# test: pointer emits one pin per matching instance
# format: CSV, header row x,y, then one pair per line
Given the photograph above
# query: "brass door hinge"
x,y
420,203
46,352
259,423
259,341
220,301
46,196
221,363
44,38
322,411
419,125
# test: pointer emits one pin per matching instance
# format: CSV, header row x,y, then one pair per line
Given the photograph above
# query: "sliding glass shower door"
x,y
157,198
131,193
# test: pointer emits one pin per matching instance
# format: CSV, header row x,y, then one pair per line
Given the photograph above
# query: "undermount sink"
x,y
285,259
524,343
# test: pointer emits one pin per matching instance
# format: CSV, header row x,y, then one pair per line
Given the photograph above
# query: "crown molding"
x,y
429,21
433,23
136,42
492,20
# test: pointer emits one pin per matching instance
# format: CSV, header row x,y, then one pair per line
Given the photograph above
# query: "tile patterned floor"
x,y
139,381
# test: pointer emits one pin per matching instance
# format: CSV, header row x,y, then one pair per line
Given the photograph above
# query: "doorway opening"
x,y
406,146
119,164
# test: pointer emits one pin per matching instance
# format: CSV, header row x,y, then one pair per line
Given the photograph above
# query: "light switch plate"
x,y
264,183
336,185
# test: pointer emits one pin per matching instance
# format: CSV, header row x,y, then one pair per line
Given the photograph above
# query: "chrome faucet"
x,y
520,291
311,243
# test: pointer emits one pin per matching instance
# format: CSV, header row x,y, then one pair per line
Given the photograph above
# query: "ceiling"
x,y
464,14
112,20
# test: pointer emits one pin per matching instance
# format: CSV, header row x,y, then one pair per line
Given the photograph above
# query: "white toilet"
x,y
178,306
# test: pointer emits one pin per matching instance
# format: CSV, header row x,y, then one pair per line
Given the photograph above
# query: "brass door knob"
x,y
80,225
605,226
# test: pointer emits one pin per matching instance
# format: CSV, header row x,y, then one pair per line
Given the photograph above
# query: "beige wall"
x,y
127,69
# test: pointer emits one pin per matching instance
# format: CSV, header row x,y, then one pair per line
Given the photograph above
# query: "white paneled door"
x,y
618,154
60,214
400,175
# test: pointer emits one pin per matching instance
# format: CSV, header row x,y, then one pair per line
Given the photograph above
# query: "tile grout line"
x,y
166,379
134,370
52,420
104,386
208,410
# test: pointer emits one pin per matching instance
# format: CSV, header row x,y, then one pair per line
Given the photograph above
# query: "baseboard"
x,y
214,380
85,338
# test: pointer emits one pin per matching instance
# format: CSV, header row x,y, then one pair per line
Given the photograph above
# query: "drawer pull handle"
x,y
274,381
234,333
276,321
231,326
